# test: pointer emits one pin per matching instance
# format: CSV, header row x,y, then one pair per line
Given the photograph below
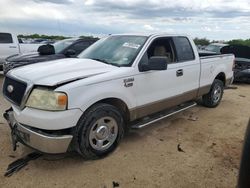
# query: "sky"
x,y
215,20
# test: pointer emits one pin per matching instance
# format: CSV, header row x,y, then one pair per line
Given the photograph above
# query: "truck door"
x,y
158,90
188,67
8,46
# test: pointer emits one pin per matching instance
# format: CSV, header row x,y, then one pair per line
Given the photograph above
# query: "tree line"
x,y
205,42
50,37
197,41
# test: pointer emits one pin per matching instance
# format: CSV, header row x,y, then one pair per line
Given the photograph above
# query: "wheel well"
x,y
221,76
118,103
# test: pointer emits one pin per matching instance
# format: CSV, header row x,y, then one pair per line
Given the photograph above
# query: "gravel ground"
x,y
210,138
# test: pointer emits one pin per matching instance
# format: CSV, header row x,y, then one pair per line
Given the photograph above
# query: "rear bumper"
x,y
37,139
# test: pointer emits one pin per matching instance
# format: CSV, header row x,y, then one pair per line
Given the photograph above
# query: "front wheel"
x,y
99,131
213,98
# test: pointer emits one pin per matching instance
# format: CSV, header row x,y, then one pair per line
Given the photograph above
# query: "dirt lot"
x,y
211,139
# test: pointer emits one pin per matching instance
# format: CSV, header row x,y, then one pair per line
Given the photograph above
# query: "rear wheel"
x,y
99,131
213,98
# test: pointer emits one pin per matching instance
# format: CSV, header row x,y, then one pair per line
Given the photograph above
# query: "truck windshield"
x,y
115,50
61,45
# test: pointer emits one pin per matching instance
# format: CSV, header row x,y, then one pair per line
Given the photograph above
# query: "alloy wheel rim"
x,y
217,94
103,133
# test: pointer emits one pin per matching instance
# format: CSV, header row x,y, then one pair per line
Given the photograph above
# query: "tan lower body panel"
x,y
204,90
154,107
162,104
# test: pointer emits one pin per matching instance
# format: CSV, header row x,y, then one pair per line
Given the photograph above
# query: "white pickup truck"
x,y
87,103
10,45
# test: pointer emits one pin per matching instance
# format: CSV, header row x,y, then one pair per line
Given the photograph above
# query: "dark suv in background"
x,y
242,61
62,49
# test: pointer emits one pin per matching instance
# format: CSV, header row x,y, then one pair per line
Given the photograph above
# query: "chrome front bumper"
x,y
38,140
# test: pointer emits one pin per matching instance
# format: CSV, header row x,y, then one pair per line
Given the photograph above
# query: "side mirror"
x,y
155,63
70,52
46,49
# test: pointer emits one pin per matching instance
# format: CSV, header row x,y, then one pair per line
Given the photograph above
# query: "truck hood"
x,y
61,71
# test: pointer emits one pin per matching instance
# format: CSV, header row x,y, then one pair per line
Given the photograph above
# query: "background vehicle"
x,y
244,176
61,49
10,45
122,81
214,47
242,61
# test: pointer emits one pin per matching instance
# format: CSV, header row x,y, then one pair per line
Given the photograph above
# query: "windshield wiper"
x,y
105,61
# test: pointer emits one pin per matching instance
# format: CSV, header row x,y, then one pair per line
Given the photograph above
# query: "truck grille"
x,y
14,90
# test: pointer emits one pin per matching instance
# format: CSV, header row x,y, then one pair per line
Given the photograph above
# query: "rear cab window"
x,y
5,38
184,50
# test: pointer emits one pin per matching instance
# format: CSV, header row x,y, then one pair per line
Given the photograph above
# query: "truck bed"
x,y
210,64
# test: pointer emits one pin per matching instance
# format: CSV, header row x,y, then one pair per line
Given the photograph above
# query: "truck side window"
x,y
6,38
160,47
184,49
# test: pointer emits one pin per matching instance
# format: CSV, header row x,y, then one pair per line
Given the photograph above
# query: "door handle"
x,y
179,72
12,47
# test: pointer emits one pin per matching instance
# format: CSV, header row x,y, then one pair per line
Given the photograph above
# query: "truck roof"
x,y
149,34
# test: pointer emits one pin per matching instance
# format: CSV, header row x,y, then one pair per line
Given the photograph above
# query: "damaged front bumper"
x,y
35,138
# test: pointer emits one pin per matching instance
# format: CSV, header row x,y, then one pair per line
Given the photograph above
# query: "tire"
x,y
213,98
99,131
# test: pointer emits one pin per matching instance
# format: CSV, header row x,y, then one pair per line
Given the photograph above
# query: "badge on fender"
x,y
128,82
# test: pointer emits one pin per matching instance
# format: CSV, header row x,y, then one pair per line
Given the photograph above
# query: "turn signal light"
x,y
62,100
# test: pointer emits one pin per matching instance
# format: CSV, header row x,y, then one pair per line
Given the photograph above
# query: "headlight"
x,y
7,66
47,100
